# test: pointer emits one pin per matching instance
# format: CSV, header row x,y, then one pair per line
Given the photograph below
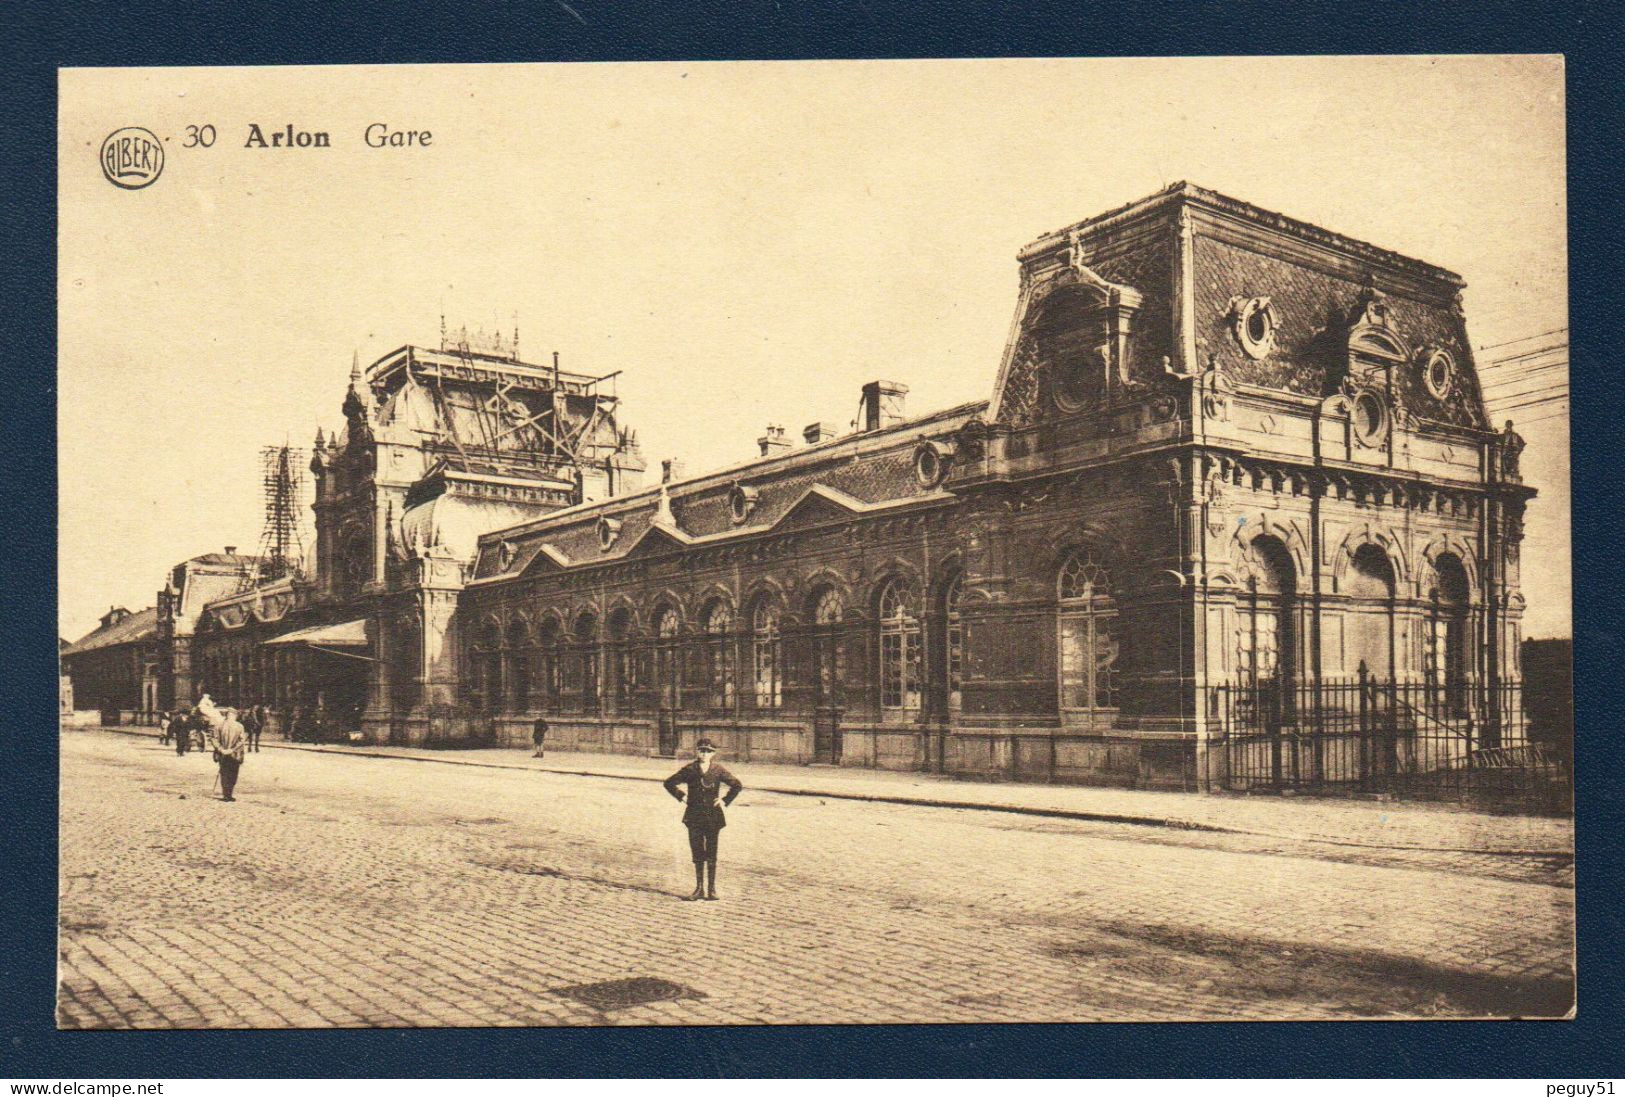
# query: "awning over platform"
x,y
347,634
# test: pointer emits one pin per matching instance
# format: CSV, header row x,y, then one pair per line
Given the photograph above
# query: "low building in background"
x,y
113,670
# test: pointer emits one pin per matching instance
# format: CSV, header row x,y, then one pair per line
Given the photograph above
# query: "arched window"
x,y
586,659
622,666
1445,658
1266,647
765,653
1087,635
954,640
899,646
717,622
518,672
668,626
485,668
549,673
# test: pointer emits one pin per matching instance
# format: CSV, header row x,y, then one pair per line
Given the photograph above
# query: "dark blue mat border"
x,y
45,36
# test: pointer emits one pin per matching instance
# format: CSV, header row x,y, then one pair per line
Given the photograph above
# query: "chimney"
x,y
773,442
231,550
670,469
882,405
815,433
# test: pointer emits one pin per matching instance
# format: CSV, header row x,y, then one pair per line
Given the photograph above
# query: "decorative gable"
x,y
1071,351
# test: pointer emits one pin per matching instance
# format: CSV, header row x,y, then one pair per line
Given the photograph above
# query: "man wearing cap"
x,y
697,785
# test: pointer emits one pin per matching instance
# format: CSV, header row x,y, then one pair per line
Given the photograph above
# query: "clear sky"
x,y
748,242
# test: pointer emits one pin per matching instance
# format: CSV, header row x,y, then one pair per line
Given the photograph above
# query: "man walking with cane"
x,y
230,744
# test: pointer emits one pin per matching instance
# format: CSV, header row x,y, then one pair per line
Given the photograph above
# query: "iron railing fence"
x,y
1415,739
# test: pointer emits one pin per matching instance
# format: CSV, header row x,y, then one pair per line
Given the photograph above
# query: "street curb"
x,y
1162,822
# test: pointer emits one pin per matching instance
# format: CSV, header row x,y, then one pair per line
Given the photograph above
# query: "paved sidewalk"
x,y
1381,825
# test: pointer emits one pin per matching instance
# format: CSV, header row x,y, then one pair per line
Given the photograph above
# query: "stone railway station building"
x,y
1224,450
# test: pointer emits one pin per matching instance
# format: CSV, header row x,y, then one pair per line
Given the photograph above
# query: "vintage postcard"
x,y
814,542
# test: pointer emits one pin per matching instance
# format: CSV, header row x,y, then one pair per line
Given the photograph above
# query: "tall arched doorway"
x,y
1369,588
1445,656
1266,631
825,605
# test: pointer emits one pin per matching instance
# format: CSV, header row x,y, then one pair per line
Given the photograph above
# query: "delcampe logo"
x,y
132,158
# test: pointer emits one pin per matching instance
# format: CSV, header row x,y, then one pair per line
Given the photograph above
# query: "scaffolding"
x,y
547,421
281,547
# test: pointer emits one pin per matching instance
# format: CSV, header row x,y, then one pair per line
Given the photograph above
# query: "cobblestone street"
x,y
369,891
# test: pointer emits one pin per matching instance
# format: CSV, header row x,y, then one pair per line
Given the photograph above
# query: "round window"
x,y
1079,380
1439,374
741,501
927,466
1370,418
931,460
1254,319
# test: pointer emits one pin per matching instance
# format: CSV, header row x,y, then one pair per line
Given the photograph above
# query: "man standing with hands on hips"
x,y
698,785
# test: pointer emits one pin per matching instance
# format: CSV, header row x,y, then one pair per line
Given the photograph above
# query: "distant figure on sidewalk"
x,y
180,726
704,816
230,744
252,725
538,735
163,727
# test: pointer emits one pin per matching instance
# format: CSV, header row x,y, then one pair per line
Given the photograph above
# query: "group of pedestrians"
x,y
233,734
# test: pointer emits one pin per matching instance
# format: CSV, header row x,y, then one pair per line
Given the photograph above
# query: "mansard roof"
x,y
855,474
1185,193
134,628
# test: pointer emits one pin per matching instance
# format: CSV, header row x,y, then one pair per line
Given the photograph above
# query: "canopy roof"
x,y
346,634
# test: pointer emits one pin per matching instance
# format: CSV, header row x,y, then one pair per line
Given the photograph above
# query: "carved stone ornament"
x,y
1253,322
1217,514
1512,444
1372,310
973,438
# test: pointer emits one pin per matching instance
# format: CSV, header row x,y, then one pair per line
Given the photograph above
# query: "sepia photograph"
x,y
814,542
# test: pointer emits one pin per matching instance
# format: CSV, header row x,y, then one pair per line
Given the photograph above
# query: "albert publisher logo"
x,y
132,158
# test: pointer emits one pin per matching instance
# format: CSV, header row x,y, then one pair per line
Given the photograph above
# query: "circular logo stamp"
x,y
132,158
